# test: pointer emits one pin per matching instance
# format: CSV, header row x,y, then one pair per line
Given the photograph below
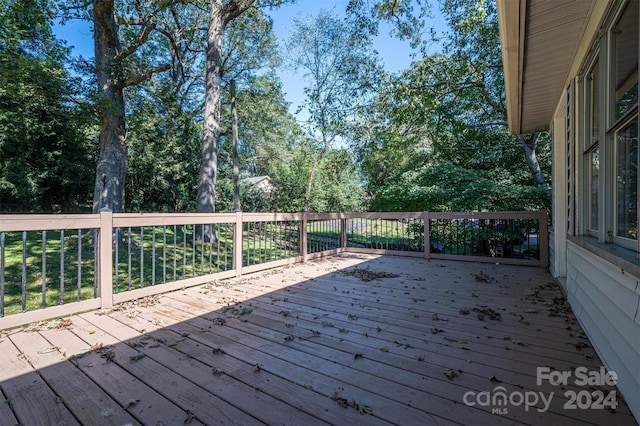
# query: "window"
x,y
626,60
609,131
592,131
623,134
594,172
627,180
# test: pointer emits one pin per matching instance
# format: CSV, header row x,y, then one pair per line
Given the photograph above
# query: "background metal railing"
x,y
54,265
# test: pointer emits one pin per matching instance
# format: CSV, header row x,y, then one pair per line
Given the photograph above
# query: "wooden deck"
x,y
311,344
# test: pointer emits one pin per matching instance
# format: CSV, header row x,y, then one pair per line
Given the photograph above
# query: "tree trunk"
x,y
220,14
236,161
211,130
112,163
529,146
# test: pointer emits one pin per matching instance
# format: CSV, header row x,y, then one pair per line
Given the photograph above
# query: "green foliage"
x,y
437,137
46,151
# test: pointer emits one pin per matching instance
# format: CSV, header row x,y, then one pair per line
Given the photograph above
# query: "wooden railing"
x,y
55,265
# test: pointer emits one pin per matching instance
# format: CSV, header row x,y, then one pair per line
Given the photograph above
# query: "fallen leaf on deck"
x,y
482,276
130,403
358,355
361,408
216,371
189,418
495,379
435,317
219,321
218,351
49,350
137,356
257,368
450,373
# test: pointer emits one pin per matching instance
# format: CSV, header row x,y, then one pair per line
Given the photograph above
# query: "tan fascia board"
x,y
511,22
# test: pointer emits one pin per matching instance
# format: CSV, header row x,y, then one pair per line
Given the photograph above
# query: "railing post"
x,y
427,234
105,259
237,244
543,238
303,236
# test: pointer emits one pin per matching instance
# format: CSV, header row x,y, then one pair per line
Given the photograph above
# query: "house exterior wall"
x,y
605,298
600,274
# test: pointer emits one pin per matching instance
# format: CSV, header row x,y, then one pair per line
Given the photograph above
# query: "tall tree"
x,y
113,78
221,13
341,69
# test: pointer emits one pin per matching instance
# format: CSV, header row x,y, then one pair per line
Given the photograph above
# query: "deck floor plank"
x,y
88,402
263,380
205,406
142,401
307,372
292,351
336,364
453,391
31,399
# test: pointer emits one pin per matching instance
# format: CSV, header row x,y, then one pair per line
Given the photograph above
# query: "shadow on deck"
x,y
329,341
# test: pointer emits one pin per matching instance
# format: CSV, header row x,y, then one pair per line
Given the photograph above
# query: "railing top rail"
x,y
46,222
161,219
489,215
270,217
384,215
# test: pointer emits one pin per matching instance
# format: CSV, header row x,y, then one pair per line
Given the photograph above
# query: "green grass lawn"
x,y
145,256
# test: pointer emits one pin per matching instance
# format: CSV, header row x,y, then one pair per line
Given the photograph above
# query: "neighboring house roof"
x,y
258,184
540,40
254,180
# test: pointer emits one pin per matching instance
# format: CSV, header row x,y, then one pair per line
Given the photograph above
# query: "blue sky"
x,y
395,53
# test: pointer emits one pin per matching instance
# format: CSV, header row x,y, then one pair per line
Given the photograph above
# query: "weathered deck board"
x,y
27,394
142,401
281,360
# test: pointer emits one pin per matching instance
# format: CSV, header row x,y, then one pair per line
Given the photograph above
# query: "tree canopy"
x,y
145,125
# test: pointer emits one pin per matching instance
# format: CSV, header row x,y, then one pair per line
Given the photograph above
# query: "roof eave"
x,y
511,19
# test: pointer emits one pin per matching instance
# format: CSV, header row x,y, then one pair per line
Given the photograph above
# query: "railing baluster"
x,y
226,249
164,254
175,252
116,263
217,230
153,255
129,258
79,265
218,248
44,269
193,250
24,271
202,248
1,274
62,267
141,256
95,263
184,252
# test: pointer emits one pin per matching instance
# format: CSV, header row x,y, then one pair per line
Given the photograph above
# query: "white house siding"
x,y
606,301
552,254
